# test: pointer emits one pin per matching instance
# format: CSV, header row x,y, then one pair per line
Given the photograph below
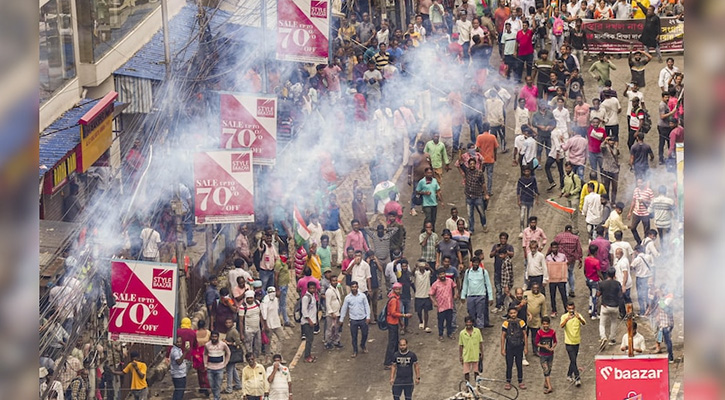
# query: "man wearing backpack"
x,y
477,294
637,121
309,319
250,314
392,317
513,346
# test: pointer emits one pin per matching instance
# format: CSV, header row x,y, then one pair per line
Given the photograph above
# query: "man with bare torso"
x,y
424,11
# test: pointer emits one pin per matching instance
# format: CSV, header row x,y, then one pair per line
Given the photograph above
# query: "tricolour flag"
x,y
302,232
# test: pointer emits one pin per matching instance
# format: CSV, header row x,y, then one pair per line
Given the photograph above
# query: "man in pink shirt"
x,y
581,116
677,135
331,75
442,293
532,232
576,147
596,136
530,93
355,238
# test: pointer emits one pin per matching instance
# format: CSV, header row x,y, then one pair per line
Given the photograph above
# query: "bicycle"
x,y
466,387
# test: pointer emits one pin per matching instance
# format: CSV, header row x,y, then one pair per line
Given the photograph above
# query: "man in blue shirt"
x,y
356,304
477,293
333,227
429,189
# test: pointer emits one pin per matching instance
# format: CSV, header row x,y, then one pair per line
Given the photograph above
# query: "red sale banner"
x,y
145,295
224,187
303,30
250,122
637,378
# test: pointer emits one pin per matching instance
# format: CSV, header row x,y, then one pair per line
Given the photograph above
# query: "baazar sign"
x,y
641,377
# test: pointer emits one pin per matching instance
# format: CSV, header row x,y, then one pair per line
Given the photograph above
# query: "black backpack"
x,y
514,333
646,124
383,318
297,313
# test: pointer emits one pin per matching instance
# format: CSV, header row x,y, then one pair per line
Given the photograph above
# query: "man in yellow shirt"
x,y
572,322
254,380
639,8
137,369
598,186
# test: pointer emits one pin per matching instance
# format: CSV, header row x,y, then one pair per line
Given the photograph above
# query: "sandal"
x,y
522,386
507,386
547,391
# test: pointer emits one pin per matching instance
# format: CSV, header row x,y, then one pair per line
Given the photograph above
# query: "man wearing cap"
x,y
137,369
271,322
250,315
392,317
46,376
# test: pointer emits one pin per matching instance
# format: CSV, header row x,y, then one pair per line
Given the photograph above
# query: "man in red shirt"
x,y
677,135
500,16
592,273
392,317
486,145
524,50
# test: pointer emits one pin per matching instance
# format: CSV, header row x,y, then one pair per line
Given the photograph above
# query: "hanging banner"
x,y
250,122
616,35
303,30
145,309
224,187
96,134
641,377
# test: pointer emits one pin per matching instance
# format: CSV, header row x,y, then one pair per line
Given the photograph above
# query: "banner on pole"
x,y
224,187
303,30
616,35
145,295
250,122
641,377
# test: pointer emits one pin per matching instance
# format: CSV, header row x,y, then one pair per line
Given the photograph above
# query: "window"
x,y
103,23
57,57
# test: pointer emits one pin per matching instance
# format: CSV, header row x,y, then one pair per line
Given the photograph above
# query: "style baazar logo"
x,y
162,279
241,162
265,108
318,9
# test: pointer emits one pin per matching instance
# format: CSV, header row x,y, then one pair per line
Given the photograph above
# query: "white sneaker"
x,y
578,383
413,212
427,330
569,378
594,318
420,326
525,362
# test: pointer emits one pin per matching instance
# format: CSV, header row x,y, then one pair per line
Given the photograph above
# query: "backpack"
x,y
646,124
383,317
514,333
558,27
297,313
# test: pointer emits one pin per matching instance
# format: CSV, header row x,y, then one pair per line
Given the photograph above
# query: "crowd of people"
x,y
366,275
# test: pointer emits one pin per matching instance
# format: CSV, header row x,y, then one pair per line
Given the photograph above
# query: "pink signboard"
x,y
145,295
250,122
637,378
224,187
303,30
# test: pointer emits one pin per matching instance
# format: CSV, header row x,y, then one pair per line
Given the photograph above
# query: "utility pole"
x,y
167,48
178,209
630,334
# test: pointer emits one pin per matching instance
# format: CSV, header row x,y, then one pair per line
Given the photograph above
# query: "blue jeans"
x,y
476,205
477,307
595,161
579,170
405,308
446,317
179,388
456,136
570,278
233,376
283,303
267,278
593,287
642,293
362,326
489,176
215,381
476,127
667,336
403,388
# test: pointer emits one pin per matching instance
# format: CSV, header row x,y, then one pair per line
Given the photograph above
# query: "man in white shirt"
x,y
333,303
622,275
494,107
620,244
151,239
638,344
315,230
622,9
631,91
612,108
666,73
464,27
663,208
641,268
515,20
592,210
271,322
536,270
524,147
452,222
360,272
421,284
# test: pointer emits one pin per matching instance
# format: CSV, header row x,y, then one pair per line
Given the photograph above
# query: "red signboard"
x,y
250,122
145,308
224,187
303,30
637,378
616,35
